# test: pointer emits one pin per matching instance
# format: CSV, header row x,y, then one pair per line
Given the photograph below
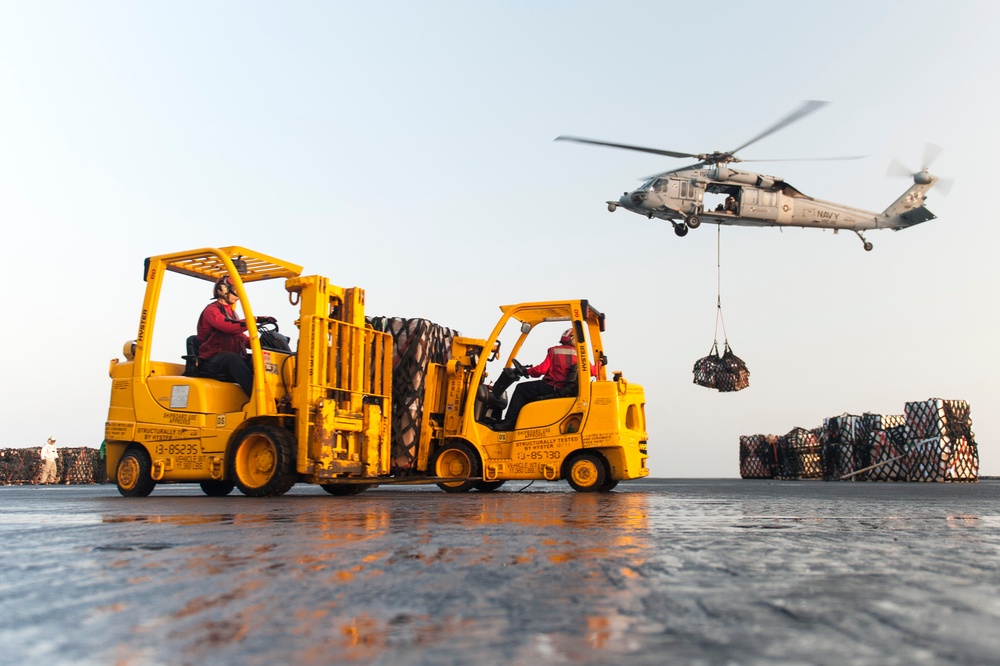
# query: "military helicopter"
x,y
758,200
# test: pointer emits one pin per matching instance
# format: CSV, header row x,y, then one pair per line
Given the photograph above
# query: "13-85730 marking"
x,y
537,455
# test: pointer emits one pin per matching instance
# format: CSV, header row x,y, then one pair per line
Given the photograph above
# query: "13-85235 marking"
x,y
176,449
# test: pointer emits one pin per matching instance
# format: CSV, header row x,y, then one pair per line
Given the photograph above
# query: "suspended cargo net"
x,y
758,459
417,343
74,465
942,446
726,373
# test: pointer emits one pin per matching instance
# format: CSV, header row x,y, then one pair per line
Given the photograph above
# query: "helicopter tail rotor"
x,y
923,175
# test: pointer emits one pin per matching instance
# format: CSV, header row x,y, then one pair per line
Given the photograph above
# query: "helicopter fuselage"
x,y
757,200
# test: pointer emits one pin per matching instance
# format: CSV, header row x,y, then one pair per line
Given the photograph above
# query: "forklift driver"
x,y
222,350
556,372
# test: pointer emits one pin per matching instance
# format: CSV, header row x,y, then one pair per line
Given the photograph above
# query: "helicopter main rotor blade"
x,y
683,168
809,159
655,151
804,110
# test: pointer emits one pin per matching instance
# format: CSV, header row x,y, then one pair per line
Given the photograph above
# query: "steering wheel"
x,y
521,370
269,324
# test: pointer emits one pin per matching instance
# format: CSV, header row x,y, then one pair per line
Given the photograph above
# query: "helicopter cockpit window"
x,y
661,184
648,184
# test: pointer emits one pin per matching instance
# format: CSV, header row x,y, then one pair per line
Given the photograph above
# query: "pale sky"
x,y
407,148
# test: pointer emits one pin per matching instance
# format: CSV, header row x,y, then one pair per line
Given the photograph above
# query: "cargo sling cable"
x,y
726,373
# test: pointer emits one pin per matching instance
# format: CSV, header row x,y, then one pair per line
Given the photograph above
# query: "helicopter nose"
x,y
636,198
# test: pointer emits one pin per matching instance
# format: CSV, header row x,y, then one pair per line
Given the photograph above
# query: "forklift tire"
x,y
587,473
262,462
217,487
609,485
487,486
345,489
457,459
133,474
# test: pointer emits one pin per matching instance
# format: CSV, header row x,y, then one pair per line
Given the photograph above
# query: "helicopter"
x,y
758,200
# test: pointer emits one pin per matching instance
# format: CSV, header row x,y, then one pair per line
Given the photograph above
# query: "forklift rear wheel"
x,y
262,462
134,474
487,486
586,473
217,487
458,460
345,489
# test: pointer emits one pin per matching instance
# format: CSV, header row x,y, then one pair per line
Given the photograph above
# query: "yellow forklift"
x,y
321,412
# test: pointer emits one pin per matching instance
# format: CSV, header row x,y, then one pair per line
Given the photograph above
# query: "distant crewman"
x,y
49,454
731,204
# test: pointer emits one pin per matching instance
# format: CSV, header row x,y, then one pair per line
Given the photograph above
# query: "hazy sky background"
x,y
407,148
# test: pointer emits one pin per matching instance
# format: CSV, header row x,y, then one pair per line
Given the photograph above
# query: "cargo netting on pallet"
x,y
888,454
74,465
799,455
758,457
941,444
931,441
839,439
865,443
416,344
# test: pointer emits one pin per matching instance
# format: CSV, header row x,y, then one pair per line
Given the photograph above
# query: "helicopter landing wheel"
x,y
693,221
867,244
681,230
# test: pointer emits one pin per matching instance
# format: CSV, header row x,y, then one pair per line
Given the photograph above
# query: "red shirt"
x,y
220,331
556,367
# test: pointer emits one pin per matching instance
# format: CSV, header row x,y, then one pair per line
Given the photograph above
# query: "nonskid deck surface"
x,y
717,571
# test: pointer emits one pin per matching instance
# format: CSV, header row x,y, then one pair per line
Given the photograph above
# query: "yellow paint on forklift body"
x,y
321,412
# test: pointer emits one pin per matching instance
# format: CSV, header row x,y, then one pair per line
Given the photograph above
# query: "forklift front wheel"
x,y
262,462
457,460
587,473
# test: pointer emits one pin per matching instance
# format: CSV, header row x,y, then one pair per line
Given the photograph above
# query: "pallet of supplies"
x,y
758,459
940,442
417,343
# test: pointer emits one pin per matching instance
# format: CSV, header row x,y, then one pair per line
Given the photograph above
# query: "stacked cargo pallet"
x,y
931,441
416,344
74,465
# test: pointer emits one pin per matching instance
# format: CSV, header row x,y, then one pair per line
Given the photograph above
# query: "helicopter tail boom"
x,y
909,208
